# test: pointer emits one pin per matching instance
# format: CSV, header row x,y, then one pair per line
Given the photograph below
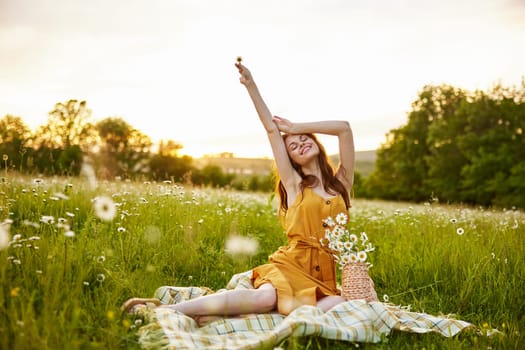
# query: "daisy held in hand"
x,y
347,247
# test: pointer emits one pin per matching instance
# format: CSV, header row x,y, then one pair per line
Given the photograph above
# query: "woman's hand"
x,y
246,76
284,125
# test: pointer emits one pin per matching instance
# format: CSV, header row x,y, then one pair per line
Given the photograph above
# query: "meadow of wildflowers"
x,y
73,250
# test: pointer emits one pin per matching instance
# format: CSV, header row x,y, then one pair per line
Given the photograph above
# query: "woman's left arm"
x,y
339,128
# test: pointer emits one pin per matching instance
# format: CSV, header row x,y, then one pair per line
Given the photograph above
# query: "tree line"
x,y
456,147
113,148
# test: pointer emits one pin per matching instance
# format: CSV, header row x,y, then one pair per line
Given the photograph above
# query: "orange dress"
x,y
303,271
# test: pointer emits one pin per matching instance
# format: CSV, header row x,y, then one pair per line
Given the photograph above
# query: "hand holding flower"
x,y
246,77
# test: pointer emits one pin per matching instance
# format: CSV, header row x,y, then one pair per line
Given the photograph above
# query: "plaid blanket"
x,y
353,321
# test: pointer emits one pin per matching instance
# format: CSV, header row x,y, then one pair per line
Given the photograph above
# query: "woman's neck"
x,y
312,168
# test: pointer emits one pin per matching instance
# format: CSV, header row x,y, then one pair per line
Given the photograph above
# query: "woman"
x,y
303,272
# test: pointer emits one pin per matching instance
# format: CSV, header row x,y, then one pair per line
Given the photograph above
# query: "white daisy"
x,y
47,219
105,208
361,256
353,258
345,259
329,221
338,232
460,231
341,218
239,245
101,278
38,181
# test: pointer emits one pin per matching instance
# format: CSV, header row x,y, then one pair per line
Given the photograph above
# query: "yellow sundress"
x,y
303,271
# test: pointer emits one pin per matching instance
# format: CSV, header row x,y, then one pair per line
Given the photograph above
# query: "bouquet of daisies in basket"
x,y
351,253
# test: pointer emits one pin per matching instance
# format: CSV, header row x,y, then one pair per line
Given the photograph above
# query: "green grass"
x,y
61,292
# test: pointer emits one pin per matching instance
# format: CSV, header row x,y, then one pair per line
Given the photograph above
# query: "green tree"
x,y
124,150
169,148
14,138
59,145
494,144
445,159
457,146
401,168
212,175
68,125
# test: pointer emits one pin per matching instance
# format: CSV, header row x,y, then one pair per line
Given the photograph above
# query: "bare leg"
x,y
329,302
230,303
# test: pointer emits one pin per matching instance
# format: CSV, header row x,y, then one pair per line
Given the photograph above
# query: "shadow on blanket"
x,y
354,321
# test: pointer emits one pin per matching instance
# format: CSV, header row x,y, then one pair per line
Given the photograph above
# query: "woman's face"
x,y
301,148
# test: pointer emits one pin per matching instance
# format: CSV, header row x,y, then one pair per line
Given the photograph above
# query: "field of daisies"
x,y
73,250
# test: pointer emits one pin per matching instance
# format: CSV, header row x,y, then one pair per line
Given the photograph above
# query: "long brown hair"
x,y
331,183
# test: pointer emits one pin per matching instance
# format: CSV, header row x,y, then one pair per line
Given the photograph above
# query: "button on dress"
x,y
303,271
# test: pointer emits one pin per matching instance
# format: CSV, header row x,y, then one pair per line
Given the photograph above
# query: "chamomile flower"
x,y
338,232
348,245
240,245
341,219
345,246
47,219
361,256
329,221
101,278
460,231
345,259
105,208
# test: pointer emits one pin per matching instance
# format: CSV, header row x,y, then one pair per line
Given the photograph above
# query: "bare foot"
x,y
130,304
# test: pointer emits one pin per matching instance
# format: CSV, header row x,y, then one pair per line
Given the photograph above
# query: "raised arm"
x,y
288,175
339,128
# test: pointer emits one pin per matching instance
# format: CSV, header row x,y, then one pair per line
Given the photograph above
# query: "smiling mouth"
x,y
305,149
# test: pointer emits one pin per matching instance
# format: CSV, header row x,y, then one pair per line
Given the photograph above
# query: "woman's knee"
x,y
266,298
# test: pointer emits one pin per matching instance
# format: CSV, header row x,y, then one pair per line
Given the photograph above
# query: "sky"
x,y
167,66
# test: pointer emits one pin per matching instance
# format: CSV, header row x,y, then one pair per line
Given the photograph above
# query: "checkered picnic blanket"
x,y
354,321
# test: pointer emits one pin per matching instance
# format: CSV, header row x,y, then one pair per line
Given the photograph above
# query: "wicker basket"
x,y
357,284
